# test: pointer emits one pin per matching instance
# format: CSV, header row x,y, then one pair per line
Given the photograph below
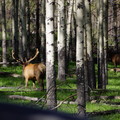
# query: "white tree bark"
x,y
68,30
80,57
88,29
50,70
61,41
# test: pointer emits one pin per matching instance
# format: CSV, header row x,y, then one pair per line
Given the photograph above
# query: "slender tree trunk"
x,y
4,45
61,41
88,24
115,24
38,41
28,27
105,30
50,62
23,28
80,58
43,41
101,79
15,26
68,30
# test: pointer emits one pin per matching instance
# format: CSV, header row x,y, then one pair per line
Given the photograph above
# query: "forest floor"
x,y
104,103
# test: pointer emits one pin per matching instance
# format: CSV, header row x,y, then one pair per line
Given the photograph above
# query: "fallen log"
x,y
5,74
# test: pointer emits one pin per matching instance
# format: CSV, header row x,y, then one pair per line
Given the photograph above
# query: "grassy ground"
x,y
15,86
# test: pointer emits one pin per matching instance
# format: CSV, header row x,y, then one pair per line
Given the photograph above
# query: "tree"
x,y
105,32
28,23
80,57
43,31
88,28
23,40
4,46
50,67
15,26
101,62
115,24
61,41
68,30
38,42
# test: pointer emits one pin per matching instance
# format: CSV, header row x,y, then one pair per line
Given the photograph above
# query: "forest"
x,y
61,55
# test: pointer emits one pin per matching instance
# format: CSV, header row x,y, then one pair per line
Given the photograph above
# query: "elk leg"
x,y
40,81
26,82
34,84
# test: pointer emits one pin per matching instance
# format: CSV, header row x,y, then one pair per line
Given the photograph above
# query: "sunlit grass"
x,y
64,90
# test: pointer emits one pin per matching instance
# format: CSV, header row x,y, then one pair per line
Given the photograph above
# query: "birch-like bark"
x,y
80,57
68,30
50,62
101,78
61,41
88,29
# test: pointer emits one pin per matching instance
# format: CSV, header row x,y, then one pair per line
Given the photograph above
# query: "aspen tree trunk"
x,y
4,46
115,24
68,30
38,42
61,41
105,30
15,26
101,67
23,28
28,27
80,57
43,41
50,62
88,24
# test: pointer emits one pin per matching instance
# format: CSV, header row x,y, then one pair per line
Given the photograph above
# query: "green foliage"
x,y
15,86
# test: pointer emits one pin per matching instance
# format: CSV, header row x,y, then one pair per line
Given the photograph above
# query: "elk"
x,y
116,59
33,71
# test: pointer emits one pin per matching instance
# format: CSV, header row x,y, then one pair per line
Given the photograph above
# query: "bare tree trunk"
x,y
50,62
115,24
28,27
101,67
80,58
4,45
43,41
68,30
61,41
23,28
88,24
15,26
105,30
38,41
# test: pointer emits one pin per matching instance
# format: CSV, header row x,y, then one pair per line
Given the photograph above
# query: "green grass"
x,y
65,89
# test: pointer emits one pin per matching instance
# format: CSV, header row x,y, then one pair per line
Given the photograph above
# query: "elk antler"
x,y
37,52
15,58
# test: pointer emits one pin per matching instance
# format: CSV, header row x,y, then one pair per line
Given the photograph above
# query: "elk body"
x,y
116,59
34,72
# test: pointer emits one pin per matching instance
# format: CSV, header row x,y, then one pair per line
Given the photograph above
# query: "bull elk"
x,y
33,71
116,59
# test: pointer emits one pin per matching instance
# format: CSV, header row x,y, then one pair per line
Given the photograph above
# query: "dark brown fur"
x,y
116,59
